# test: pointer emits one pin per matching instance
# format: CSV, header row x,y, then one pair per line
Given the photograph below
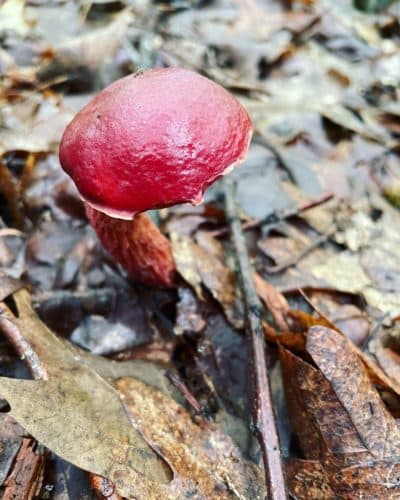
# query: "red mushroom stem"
x,y
138,245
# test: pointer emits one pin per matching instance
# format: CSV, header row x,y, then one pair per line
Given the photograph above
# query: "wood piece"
x,y
262,407
26,477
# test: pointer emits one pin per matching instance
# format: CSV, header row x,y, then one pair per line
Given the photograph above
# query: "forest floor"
x,y
141,392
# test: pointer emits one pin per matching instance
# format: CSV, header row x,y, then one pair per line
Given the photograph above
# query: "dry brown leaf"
x,y
302,321
274,301
375,427
308,480
339,417
290,340
206,463
68,414
197,266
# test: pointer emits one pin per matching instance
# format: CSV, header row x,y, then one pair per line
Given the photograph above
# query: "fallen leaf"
x,y
341,367
12,17
344,272
88,50
98,437
198,267
275,302
339,416
206,463
188,316
308,480
290,340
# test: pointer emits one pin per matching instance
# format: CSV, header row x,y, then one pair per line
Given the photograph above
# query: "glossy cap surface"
x,y
153,140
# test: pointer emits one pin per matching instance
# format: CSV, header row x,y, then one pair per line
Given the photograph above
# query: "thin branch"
x,y
262,406
276,217
183,389
23,348
293,261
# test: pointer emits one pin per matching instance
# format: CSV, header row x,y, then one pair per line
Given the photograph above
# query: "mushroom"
x,y
147,141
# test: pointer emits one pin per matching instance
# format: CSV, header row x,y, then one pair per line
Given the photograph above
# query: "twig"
x,y
374,330
183,389
293,261
262,406
16,339
276,217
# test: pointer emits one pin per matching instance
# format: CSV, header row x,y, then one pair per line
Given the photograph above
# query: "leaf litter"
x,y
321,83
104,441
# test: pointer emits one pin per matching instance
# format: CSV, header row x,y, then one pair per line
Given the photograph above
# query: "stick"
x,y
183,389
278,268
262,408
275,217
16,339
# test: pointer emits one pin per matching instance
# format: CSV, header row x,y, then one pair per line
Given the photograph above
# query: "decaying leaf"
x,y
308,480
197,266
340,419
206,463
75,412
79,416
274,301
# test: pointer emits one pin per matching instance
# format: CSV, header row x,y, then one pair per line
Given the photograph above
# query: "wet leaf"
x,y
274,301
206,463
198,267
343,428
98,437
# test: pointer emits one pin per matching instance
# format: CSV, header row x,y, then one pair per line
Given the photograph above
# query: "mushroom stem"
x,y
138,245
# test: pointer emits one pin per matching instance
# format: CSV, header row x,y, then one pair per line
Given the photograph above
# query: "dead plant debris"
x,y
87,357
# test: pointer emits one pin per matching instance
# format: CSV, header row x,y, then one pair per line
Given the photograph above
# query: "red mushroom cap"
x,y
153,140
